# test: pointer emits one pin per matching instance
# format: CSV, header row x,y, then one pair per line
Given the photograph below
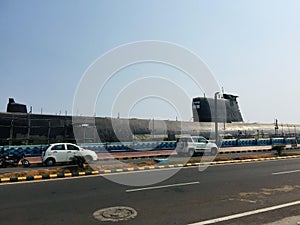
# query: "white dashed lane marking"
x,y
286,172
163,186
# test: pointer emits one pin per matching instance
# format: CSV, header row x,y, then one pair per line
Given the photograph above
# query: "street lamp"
x,y
85,125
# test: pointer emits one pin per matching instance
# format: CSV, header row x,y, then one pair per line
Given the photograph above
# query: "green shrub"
x,y
78,160
279,148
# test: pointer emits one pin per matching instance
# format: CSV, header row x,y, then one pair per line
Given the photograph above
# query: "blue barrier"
x,y
36,150
262,142
278,141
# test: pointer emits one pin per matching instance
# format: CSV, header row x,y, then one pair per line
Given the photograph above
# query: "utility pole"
x,y
28,129
49,131
153,129
216,117
11,132
276,127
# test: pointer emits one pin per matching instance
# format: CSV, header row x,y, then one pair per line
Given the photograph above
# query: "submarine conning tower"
x,y
227,109
13,107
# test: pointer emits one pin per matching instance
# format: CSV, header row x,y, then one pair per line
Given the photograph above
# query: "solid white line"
x,y
286,172
163,186
235,216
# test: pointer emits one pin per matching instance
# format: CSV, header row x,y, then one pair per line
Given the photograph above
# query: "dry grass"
x,y
24,173
255,157
32,172
142,164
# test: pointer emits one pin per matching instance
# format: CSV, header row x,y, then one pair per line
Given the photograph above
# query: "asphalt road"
x,y
188,197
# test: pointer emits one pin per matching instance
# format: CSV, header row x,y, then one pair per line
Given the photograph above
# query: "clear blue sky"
x,y
252,47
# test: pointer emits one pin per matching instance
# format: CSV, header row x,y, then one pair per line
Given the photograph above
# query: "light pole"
x,y
216,117
84,126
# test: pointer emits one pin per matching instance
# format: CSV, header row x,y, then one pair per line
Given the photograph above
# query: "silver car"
x,y
195,144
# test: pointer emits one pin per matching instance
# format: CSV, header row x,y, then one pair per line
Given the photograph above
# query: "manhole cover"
x,y
115,214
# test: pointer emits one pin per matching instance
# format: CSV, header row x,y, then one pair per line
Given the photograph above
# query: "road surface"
x,y
189,197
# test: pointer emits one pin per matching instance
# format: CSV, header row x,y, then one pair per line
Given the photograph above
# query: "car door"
x,y
201,143
59,152
72,150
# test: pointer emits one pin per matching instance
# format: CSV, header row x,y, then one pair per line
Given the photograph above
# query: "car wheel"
x,y
2,164
50,162
25,163
191,152
213,151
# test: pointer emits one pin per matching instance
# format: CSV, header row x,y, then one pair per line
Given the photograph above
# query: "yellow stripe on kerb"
x,y
5,179
68,174
81,173
95,172
21,178
53,175
38,177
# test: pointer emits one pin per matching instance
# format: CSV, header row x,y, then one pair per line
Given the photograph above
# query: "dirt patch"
x,y
269,191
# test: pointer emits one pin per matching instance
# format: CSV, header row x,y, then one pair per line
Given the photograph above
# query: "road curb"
x,y
246,151
46,176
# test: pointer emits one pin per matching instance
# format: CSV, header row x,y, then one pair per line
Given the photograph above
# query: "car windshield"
x,y
185,139
202,140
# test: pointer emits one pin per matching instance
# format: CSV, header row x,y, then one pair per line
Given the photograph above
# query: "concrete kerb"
x,y
131,169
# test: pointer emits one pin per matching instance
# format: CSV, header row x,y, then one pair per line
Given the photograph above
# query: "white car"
x,y
63,152
195,144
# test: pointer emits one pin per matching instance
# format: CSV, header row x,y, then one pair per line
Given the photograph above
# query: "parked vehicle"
x,y
64,152
195,144
13,160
